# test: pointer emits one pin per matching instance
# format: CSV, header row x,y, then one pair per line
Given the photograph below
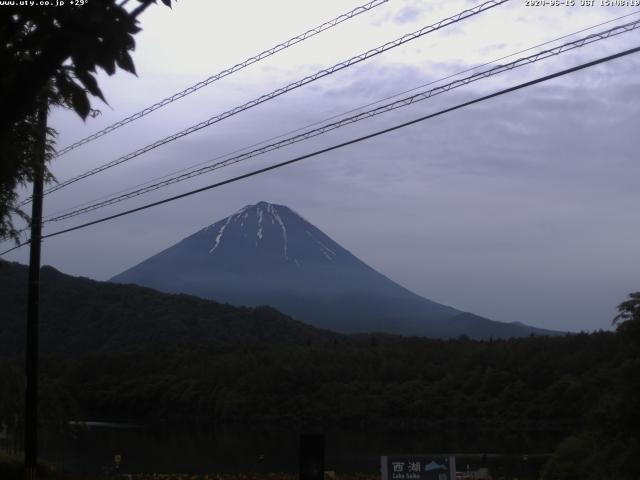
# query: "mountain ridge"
x,y
267,254
79,315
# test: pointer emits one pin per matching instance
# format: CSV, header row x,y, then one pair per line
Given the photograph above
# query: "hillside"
x,y
79,315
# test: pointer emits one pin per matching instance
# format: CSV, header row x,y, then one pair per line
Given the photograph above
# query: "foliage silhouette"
x,y
53,53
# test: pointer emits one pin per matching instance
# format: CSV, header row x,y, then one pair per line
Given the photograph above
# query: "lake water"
x,y
205,449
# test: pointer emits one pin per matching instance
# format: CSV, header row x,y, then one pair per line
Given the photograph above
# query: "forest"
x,y
575,384
374,381
151,357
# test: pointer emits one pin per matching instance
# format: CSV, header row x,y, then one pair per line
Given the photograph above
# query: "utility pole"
x,y
33,300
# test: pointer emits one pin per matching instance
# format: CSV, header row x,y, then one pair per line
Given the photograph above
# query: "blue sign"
x,y
418,467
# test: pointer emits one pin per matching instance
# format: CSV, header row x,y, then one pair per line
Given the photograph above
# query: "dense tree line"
x,y
502,390
79,315
125,352
608,444
371,382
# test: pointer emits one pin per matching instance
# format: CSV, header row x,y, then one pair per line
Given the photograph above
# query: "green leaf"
x,y
90,84
79,101
109,66
126,63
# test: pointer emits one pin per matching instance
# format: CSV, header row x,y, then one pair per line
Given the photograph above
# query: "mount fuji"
x,y
266,254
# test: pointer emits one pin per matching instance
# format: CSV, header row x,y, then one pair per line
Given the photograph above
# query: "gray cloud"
x,y
408,14
520,208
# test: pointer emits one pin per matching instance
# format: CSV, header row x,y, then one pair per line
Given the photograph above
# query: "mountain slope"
x,y
78,315
267,254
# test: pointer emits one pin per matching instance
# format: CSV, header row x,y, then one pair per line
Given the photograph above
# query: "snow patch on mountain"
x,y
326,251
220,233
259,223
330,254
275,215
279,216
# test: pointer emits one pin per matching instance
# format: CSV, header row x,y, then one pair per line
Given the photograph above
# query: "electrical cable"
x,y
341,145
206,162
224,73
356,118
322,73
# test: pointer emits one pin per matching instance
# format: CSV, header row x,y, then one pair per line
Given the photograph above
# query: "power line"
x,y
224,73
344,144
617,30
491,62
322,73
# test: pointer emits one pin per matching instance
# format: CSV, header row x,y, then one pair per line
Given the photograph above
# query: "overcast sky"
x,y
521,208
